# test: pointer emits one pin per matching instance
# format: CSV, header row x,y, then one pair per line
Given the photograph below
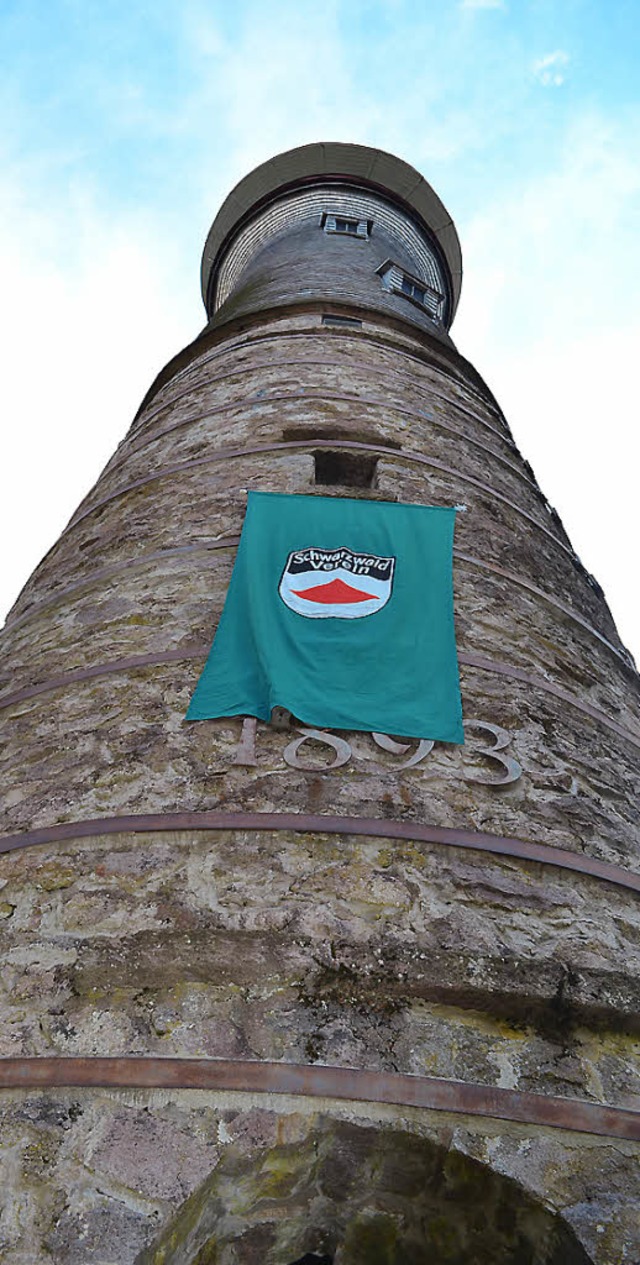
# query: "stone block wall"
x,y
388,950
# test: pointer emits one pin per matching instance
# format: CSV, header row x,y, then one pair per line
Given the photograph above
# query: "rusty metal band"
x,y
143,434
229,542
103,669
317,823
494,569
538,683
286,397
426,388
319,1081
200,652
116,568
318,335
434,362
238,340
311,444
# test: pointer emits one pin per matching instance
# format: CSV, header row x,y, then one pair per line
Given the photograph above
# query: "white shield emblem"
x,y
336,583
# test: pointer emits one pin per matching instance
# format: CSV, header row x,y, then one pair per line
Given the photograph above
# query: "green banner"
x,y
340,611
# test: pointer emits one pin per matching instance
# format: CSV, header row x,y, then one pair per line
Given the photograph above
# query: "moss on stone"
x,y
208,1255
372,1240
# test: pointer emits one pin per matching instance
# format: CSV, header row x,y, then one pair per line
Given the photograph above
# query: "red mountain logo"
x,y
335,591
336,583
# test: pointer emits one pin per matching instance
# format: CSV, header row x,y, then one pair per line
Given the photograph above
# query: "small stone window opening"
x,y
346,225
345,469
347,322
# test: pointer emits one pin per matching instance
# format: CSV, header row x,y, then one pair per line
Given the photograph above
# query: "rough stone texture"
x,y
266,1161
360,1194
306,947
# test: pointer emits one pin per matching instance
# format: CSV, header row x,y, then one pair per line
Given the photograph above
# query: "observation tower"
x,y
276,994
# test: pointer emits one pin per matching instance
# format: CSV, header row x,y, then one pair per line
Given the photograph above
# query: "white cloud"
x,y
549,70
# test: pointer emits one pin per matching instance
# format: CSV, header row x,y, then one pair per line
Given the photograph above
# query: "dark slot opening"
x,y
348,321
350,469
346,226
310,1258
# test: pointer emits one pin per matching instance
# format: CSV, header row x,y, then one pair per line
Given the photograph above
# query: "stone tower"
x,y
271,994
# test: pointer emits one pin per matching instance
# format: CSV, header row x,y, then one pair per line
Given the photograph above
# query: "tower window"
x,y
418,291
412,288
347,225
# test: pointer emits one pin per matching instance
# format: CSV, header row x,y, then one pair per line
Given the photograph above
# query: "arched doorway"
x,y
357,1195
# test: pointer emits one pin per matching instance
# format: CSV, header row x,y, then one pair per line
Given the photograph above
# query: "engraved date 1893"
x,y
486,742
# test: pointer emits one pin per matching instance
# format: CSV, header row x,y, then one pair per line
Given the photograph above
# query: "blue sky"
x,y
124,126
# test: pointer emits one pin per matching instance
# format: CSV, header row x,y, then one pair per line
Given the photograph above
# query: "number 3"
x,y
511,769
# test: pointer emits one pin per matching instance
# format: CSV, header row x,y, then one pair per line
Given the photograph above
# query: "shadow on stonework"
x,y
355,1195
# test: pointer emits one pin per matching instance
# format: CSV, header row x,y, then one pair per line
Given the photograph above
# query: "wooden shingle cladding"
x,y
324,205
